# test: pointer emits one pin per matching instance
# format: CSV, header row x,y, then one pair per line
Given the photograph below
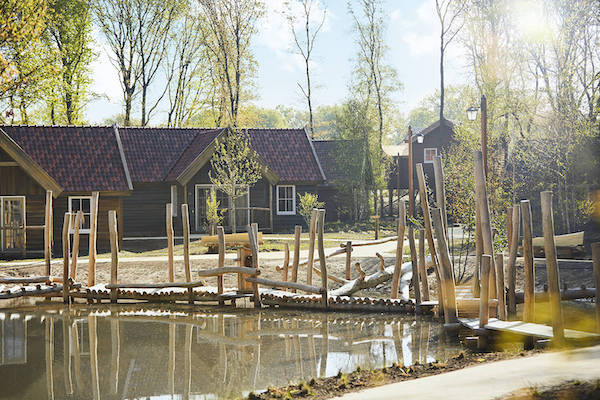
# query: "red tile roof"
x,y
288,153
197,146
78,158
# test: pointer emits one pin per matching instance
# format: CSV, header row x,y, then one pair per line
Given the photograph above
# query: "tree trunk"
x,y
127,116
233,227
144,92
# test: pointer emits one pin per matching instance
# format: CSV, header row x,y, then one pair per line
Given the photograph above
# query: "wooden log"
x,y
369,242
484,309
596,261
322,261
232,239
185,221
552,273
422,267
28,279
312,233
348,258
500,287
401,227
253,239
66,250
169,227
529,308
287,285
478,253
229,270
415,268
449,292
286,260
484,216
48,231
114,252
78,221
221,235
92,239
297,233
512,258
440,191
569,294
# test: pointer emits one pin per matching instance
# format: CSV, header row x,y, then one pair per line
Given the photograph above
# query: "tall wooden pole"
x,y
447,273
185,221
348,258
552,267
399,250
596,260
75,250
322,261
484,134
512,257
529,307
484,309
48,232
398,179
422,265
312,233
440,191
500,287
66,250
415,268
114,252
253,236
296,260
169,227
221,236
92,239
478,253
411,189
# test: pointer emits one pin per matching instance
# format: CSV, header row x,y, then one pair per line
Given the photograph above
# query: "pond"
x,y
107,352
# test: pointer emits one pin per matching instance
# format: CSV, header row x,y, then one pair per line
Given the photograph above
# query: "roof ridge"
x,y
191,142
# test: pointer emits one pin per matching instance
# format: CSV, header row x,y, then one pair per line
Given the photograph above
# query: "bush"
x,y
308,201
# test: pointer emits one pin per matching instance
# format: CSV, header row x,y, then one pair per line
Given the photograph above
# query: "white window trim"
x,y
425,154
293,212
2,215
81,231
174,204
213,188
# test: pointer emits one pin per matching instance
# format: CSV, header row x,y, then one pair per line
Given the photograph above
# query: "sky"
x,y
412,37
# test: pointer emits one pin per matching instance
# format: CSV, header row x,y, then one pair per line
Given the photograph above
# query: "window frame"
x,y
425,154
89,214
293,211
174,203
24,210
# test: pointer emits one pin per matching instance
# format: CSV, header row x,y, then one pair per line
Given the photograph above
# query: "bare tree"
x,y
305,47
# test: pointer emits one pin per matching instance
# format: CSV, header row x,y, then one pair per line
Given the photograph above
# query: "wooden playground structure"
x,y
492,293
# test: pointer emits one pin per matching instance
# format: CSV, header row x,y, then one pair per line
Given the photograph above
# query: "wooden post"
x,y
529,307
48,232
596,260
348,258
78,220
440,191
322,261
253,239
312,232
552,267
114,252
286,261
500,287
401,227
415,269
185,221
93,339
512,258
296,261
221,236
484,216
484,308
271,206
376,218
169,226
92,239
478,253
422,266
66,250
450,312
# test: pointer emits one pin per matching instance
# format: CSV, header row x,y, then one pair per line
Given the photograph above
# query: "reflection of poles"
x,y
115,340
257,354
76,354
188,361
296,339
171,366
398,328
94,356
325,345
49,342
223,349
313,354
67,356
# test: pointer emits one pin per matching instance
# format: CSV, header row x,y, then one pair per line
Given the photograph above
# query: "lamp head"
x,y
472,113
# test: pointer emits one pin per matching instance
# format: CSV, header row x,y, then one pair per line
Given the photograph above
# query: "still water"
x,y
127,353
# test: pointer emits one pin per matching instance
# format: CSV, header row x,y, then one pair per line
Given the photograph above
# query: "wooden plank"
x,y
312,233
66,250
92,238
296,260
185,221
596,260
529,309
552,266
232,239
401,227
28,279
114,251
288,285
526,329
170,244
512,258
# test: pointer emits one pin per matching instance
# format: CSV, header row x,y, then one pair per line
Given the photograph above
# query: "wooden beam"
x,y
296,260
92,239
48,232
348,259
500,287
169,227
322,261
271,207
401,227
288,285
558,328
114,252
286,260
312,233
422,267
253,238
484,309
66,250
529,308
221,235
78,221
512,258
450,311
478,253
440,191
185,221
596,261
415,269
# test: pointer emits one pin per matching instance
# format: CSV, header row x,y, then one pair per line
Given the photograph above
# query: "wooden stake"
x,y
221,235
484,216
297,233
114,252
92,239
254,249
312,232
500,287
415,269
48,232
348,258
401,227
286,260
529,307
450,312
78,220
478,253
511,268
440,191
185,221
596,260
484,308
66,250
322,261
422,266
169,227
552,267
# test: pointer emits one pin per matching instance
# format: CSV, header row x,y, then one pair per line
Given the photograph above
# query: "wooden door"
x,y
12,224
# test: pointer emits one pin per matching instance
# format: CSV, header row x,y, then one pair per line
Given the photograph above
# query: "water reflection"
x,y
115,352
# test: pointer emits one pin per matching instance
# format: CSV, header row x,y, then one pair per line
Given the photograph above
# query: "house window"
x,y
429,154
83,204
174,200
286,200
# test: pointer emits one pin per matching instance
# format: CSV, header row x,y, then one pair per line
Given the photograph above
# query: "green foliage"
x,y
214,214
308,201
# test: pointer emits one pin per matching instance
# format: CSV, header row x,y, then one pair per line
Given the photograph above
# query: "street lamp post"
x,y
472,115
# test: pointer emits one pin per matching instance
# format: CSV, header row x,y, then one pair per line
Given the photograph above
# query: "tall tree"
x,y
449,13
304,43
69,35
230,26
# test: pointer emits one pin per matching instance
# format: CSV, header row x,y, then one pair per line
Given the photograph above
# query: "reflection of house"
x,y
137,171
